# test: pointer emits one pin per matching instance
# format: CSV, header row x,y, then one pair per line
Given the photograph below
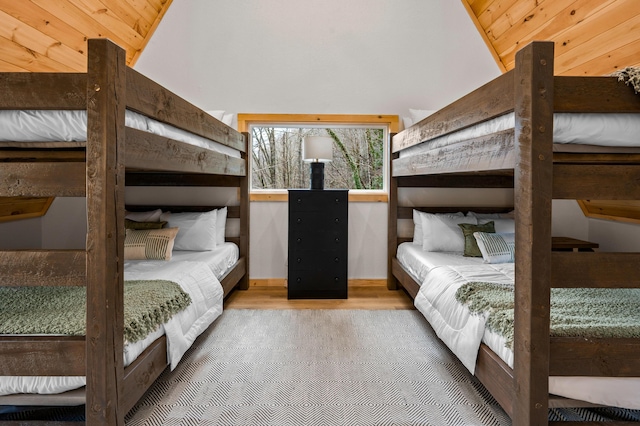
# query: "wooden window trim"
x,y
391,121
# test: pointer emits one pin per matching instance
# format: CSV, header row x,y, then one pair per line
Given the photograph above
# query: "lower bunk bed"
x,y
565,138
168,303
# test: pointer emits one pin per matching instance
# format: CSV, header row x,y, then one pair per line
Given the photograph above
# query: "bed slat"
x,y
596,182
139,376
42,356
491,100
42,179
174,110
42,268
152,152
593,94
573,356
595,270
494,152
24,90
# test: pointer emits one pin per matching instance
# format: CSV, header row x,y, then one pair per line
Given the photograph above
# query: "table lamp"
x,y
317,150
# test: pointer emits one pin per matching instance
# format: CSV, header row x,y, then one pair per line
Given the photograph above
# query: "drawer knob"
x,y
299,260
337,200
299,200
336,279
337,220
337,259
298,279
299,220
298,239
337,240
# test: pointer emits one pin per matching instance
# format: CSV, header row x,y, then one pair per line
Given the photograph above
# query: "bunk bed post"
x,y
105,232
533,110
244,215
392,233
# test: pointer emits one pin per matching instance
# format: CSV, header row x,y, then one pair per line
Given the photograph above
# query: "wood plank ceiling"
x,y
592,37
51,35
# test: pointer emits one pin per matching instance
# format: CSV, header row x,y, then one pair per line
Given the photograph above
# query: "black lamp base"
x,y
317,175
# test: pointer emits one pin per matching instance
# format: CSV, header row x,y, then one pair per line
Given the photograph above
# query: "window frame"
x,y
245,121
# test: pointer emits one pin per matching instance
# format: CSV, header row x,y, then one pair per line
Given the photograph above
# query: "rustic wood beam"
x,y
595,270
23,90
42,179
42,268
533,183
597,182
576,356
147,151
105,232
491,152
42,356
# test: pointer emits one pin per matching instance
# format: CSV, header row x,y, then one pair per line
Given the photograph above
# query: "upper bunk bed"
x,y
115,153
541,157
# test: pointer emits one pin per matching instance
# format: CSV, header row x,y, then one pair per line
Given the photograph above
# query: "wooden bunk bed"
x,y
114,156
523,158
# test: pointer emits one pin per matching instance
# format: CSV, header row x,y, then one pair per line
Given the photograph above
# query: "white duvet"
x,y
463,331
195,278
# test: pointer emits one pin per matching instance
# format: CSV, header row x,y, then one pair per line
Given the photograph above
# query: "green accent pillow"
x,y
470,244
132,224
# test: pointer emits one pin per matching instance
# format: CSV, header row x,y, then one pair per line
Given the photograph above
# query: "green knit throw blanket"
x,y
630,76
62,310
583,312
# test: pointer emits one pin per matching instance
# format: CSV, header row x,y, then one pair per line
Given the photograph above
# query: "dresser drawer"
x,y
318,246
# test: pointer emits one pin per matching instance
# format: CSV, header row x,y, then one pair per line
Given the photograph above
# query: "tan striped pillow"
x,y
154,244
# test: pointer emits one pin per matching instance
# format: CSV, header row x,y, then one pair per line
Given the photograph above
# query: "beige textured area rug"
x,y
318,367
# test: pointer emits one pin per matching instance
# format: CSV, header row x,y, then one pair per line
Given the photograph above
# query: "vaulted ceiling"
x,y
592,37
51,35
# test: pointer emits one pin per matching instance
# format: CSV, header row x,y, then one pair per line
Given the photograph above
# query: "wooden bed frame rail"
x,y
523,159
97,172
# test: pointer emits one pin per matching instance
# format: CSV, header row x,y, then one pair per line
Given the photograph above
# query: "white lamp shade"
x,y
317,149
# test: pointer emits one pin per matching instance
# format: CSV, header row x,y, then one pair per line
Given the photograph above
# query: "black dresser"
x,y
318,244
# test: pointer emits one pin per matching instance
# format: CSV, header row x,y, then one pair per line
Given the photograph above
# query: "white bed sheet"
x,y
68,128
463,331
194,272
594,129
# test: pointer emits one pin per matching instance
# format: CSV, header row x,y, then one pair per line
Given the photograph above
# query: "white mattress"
x,y
463,332
68,128
196,273
593,129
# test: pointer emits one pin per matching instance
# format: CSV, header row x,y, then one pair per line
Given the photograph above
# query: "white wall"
x,y
334,56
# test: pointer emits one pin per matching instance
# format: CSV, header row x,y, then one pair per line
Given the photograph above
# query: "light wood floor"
x,y
360,297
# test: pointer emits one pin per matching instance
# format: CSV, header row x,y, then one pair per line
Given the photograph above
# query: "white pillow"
x,y
221,224
197,230
502,226
417,224
496,248
150,216
442,233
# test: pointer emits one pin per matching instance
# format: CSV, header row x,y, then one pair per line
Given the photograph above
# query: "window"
x,y
360,145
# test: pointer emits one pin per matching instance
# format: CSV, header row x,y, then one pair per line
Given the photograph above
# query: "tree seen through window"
x,y
358,157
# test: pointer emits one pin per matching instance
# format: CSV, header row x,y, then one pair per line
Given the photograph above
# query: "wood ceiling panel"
x,y
51,35
593,37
